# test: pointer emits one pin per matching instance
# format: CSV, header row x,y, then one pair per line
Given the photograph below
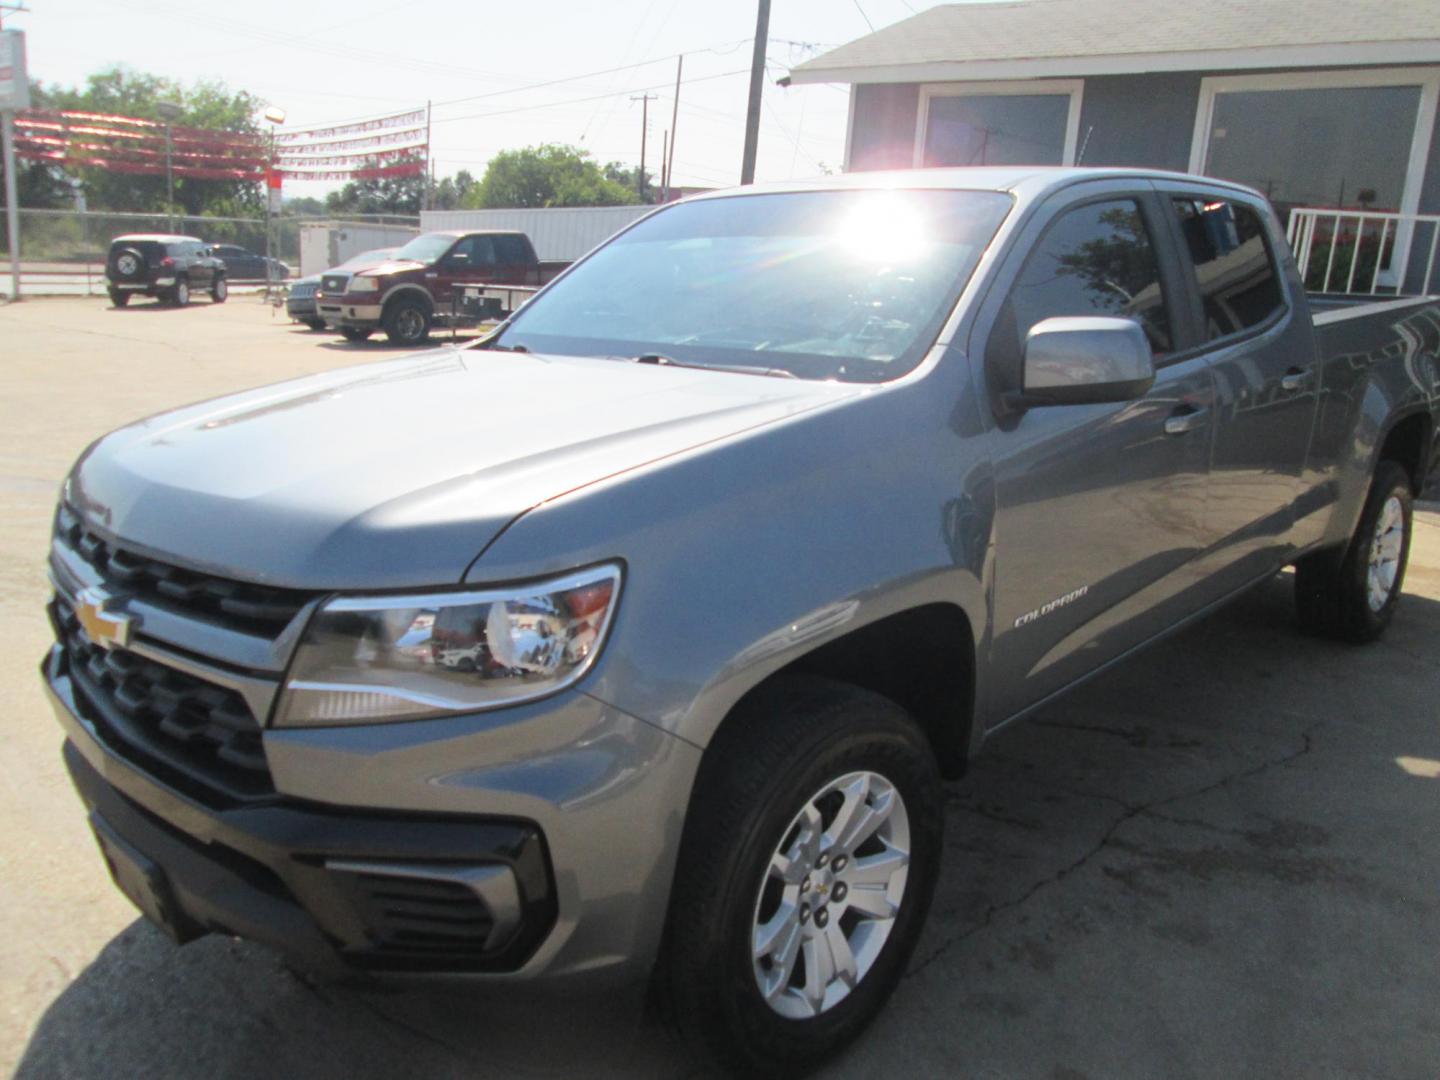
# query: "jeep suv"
x,y
167,267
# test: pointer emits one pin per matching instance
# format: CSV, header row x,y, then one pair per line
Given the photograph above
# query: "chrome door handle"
x,y
1294,379
1186,420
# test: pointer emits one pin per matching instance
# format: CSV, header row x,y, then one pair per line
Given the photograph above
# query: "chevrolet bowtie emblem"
x,y
102,626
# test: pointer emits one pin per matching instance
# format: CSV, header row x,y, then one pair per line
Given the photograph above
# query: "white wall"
x,y
326,245
560,234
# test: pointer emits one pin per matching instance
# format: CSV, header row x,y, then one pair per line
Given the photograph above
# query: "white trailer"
x,y
560,234
324,244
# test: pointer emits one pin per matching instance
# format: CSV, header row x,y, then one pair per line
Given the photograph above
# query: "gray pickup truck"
x,y
635,639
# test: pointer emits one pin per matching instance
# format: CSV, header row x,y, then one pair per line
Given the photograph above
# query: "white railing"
x,y
1364,252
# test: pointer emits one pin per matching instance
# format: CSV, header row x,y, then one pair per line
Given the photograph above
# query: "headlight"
x,y
364,284
372,659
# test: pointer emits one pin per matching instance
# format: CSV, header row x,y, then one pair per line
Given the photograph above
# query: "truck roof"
x,y
476,232
1027,180
158,238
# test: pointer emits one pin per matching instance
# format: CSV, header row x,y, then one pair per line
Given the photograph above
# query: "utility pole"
x,y
644,100
664,176
674,120
169,111
757,82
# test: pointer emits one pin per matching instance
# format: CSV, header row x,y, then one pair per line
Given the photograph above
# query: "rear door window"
x,y
511,251
1234,267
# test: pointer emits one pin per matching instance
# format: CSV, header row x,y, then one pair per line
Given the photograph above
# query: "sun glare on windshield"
x,y
885,227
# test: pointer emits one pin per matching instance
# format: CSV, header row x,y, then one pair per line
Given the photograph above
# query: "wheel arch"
x,y
923,658
407,290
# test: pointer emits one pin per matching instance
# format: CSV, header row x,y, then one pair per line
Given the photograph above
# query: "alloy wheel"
x,y
1385,548
831,894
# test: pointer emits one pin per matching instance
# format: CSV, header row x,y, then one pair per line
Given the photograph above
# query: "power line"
x,y
586,75
581,100
863,15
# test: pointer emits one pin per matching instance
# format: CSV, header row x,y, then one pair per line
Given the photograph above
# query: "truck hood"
x,y
399,474
390,266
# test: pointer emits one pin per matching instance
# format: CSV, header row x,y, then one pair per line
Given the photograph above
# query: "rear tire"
x,y
180,295
355,333
118,298
750,970
219,290
407,322
1353,599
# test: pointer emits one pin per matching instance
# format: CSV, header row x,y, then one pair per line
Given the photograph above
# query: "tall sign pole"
x,y
757,82
14,95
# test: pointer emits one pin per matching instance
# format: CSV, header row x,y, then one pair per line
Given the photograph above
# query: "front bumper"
x,y
345,313
300,307
563,817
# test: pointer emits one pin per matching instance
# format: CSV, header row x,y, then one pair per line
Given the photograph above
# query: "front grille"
x,y
177,725
334,284
414,921
242,606
302,291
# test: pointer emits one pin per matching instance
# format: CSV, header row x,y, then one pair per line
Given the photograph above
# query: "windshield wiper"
x,y
660,360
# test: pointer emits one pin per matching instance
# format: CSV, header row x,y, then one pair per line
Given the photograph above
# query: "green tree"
x,y
546,175
629,178
451,192
306,206
209,105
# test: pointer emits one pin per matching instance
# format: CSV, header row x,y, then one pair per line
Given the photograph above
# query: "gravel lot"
x,y
1221,859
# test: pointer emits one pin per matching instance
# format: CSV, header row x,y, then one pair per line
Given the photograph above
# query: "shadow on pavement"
x,y
1152,877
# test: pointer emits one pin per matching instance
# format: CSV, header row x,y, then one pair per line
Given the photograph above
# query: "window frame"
x,y
1185,267
1162,242
1074,89
1190,272
1426,78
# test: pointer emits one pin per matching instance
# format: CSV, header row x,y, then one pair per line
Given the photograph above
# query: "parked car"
x,y
416,290
167,267
766,514
300,305
244,265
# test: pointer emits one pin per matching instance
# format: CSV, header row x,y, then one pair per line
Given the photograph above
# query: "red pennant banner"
x,y
414,118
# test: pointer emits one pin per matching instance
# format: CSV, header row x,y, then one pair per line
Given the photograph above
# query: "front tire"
x,y
314,324
219,290
118,298
180,295
407,322
806,871
1354,599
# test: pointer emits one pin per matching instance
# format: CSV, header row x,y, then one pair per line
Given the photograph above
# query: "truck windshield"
x,y
426,249
848,285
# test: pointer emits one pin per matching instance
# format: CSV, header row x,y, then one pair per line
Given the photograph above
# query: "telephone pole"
x,y
757,83
644,100
674,120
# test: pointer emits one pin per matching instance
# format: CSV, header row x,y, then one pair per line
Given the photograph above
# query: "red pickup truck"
x,y
419,287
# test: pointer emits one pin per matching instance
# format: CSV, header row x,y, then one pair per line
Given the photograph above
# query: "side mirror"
x,y
1085,360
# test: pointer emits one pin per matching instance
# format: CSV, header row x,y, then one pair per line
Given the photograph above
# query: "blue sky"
x,y
323,62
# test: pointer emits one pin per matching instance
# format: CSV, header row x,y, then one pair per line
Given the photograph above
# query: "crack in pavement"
x,y
1130,812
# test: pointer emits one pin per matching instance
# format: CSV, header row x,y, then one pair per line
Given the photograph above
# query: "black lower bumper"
x,y
334,890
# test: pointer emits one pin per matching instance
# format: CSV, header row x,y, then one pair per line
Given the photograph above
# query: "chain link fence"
x,y
63,251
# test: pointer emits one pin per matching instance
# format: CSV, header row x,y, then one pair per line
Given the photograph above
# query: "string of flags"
x,y
387,146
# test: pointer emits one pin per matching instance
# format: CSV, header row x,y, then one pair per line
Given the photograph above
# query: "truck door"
x,y
1262,353
1100,509
472,259
515,264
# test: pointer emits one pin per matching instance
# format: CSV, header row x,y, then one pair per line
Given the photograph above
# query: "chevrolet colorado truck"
x,y
635,639
418,287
